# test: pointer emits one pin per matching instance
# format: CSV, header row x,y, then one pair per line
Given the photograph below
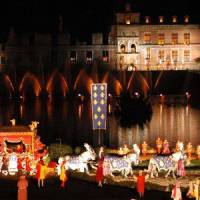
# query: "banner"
x,y
99,105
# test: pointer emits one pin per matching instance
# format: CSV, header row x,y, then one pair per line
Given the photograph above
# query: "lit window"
x,y
186,55
161,19
186,18
174,55
161,55
128,21
89,56
161,38
174,19
187,38
174,38
121,61
148,53
105,56
133,48
73,56
147,37
147,19
122,48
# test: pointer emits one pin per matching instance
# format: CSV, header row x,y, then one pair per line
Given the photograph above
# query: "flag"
x,y
99,105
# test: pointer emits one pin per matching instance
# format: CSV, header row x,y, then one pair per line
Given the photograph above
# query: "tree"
x,y
133,110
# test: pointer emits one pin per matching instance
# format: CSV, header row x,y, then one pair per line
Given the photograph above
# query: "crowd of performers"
x,y
37,166
163,148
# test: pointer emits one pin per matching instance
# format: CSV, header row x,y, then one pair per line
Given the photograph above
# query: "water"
x,y
70,121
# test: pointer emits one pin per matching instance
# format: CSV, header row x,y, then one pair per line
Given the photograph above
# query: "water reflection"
x,y
71,121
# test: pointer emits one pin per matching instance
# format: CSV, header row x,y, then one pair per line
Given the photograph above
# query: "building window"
x,y
133,48
161,38
105,55
88,56
122,48
73,56
174,55
161,19
186,55
127,20
147,19
174,19
147,38
186,18
161,55
187,38
121,61
174,38
148,53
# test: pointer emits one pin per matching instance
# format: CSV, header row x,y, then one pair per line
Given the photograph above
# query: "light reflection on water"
x,y
71,121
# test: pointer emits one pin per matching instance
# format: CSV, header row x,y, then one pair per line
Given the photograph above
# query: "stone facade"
x,y
134,43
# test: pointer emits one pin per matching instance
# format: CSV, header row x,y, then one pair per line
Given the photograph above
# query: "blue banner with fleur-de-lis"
x,y
99,105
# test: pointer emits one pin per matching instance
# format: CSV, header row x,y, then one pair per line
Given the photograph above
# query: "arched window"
x,y
133,48
122,48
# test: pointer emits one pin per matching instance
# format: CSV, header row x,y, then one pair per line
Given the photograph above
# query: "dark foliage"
x,y
133,110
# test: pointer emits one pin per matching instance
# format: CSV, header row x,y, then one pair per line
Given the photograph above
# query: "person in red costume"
x,y
140,184
19,148
19,164
176,192
99,173
28,165
22,185
38,170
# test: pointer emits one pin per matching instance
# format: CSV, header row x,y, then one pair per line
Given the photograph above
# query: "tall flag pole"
x,y
99,106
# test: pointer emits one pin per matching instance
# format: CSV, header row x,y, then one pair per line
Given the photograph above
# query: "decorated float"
x,y
20,148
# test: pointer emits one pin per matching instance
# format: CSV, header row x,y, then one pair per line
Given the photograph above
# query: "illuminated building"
x,y
165,43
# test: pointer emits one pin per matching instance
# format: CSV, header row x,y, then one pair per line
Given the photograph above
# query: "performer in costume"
x,y
28,164
177,149
189,150
144,149
181,168
196,189
99,173
176,192
19,164
19,148
22,188
190,192
101,153
39,171
140,184
166,147
198,151
63,176
159,144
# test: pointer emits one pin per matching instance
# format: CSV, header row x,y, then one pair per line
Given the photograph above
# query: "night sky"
x,y
85,16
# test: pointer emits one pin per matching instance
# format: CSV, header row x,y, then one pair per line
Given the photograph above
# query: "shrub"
x,y
77,150
56,150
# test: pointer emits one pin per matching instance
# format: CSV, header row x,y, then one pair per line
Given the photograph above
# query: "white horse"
x,y
79,162
123,164
168,164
